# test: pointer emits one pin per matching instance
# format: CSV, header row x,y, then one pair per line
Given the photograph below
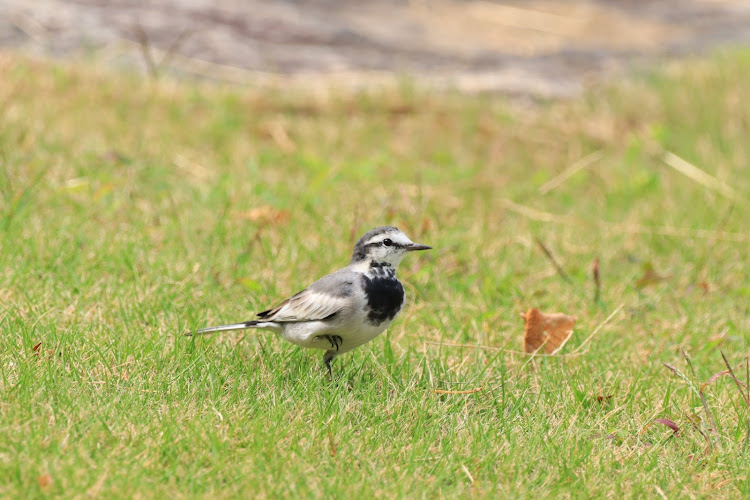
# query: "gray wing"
x,y
322,300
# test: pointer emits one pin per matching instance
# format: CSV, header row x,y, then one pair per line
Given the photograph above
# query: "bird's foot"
x,y
334,340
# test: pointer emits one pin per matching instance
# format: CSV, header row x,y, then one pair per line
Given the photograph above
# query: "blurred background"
x,y
536,47
134,209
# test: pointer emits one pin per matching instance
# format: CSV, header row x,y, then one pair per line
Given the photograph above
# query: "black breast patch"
x,y
385,296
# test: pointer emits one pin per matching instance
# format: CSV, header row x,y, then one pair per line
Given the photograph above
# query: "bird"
x,y
345,309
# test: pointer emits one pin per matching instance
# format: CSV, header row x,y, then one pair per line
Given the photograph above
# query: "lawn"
x,y
134,210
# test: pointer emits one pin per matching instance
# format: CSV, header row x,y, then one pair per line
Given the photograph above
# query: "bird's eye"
x,y
387,242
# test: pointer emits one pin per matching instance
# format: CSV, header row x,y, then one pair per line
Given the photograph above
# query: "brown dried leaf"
x,y
265,214
650,277
549,330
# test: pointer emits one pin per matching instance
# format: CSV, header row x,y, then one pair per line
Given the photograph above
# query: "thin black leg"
x,y
327,358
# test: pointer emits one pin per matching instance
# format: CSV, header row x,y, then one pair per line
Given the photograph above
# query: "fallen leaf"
x,y
44,481
265,214
669,423
650,277
549,330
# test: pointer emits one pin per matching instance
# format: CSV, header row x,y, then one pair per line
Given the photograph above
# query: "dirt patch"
x,y
531,47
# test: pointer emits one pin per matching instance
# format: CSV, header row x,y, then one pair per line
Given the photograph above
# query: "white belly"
x,y
310,334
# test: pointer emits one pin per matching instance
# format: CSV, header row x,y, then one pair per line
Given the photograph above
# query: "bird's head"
x,y
385,246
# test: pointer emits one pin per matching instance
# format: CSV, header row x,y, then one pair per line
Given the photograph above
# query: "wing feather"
x,y
308,305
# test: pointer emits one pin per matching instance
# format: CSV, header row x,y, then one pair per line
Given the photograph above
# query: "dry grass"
x,y
132,211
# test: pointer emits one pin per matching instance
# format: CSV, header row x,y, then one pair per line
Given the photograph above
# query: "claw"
x,y
334,340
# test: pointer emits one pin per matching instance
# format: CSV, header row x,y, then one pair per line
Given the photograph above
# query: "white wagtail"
x,y
347,308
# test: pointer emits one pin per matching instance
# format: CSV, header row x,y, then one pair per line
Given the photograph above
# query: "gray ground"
x,y
538,47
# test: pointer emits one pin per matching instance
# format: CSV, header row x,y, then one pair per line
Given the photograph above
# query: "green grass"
x,y
131,211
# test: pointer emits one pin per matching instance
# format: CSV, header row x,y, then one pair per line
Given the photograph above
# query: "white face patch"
x,y
385,245
397,238
388,248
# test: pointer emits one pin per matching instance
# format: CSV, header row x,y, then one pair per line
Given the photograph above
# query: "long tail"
x,y
223,328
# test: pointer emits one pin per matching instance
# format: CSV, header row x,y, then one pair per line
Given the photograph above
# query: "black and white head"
x,y
384,246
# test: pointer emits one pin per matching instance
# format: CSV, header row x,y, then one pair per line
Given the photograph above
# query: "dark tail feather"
x,y
223,328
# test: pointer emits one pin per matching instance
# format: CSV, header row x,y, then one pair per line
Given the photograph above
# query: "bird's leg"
x,y
327,358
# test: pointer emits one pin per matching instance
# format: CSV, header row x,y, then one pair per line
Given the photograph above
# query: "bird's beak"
x,y
416,246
